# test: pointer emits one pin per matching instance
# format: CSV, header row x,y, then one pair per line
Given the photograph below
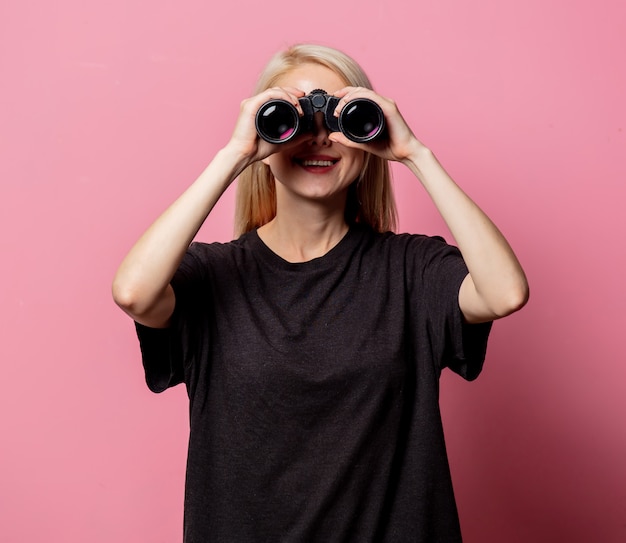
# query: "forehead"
x,y
308,77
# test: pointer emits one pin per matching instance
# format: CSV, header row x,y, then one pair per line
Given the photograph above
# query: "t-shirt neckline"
x,y
331,258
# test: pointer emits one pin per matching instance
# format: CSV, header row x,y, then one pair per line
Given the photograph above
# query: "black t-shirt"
x,y
314,387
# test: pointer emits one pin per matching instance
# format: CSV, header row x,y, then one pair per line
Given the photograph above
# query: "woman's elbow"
x,y
150,309
125,297
515,299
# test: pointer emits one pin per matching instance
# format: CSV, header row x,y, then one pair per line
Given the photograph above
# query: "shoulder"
x,y
425,262
406,244
202,262
208,252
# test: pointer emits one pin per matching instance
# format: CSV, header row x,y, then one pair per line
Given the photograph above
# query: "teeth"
x,y
317,162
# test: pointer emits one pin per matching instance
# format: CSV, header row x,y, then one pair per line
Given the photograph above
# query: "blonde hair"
x,y
370,198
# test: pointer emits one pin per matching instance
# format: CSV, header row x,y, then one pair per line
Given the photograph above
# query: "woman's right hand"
x,y
245,142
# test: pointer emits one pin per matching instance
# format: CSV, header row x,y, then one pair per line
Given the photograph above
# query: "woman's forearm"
x,y
497,285
141,284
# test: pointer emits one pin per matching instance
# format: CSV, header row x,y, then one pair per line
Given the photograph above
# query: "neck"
x,y
300,234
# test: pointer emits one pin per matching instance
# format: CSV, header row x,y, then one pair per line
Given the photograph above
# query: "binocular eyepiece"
x,y
361,120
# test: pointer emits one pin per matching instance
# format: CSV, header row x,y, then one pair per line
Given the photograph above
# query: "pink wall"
x,y
109,109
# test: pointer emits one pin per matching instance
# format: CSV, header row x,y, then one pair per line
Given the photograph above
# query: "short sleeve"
x,y
163,350
456,344
465,345
161,357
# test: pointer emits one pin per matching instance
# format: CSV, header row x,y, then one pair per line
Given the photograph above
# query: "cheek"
x,y
277,164
357,163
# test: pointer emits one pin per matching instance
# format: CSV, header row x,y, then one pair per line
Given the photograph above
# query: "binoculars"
x,y
361,120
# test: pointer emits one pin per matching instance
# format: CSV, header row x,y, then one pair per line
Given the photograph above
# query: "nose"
x,y
319,130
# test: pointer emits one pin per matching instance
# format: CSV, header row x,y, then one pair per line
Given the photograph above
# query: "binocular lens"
x,y
277,121
362,120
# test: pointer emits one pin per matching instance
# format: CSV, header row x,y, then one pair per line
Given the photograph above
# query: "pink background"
x,y
109,110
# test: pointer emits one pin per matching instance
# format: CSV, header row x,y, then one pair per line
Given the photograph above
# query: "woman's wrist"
x,y
418,157
232,159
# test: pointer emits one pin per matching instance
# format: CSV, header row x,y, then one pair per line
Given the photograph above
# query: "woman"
x,y
311,346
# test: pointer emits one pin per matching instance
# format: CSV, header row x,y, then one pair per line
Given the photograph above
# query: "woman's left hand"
x,y
399,143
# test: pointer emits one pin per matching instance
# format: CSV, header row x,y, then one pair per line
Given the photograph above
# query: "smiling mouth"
x,y
316,163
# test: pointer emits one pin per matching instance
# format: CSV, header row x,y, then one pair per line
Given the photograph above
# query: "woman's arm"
x,y
496,285
141,286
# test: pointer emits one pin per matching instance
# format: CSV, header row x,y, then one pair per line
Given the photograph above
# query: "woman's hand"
x,y
245,142
400,142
